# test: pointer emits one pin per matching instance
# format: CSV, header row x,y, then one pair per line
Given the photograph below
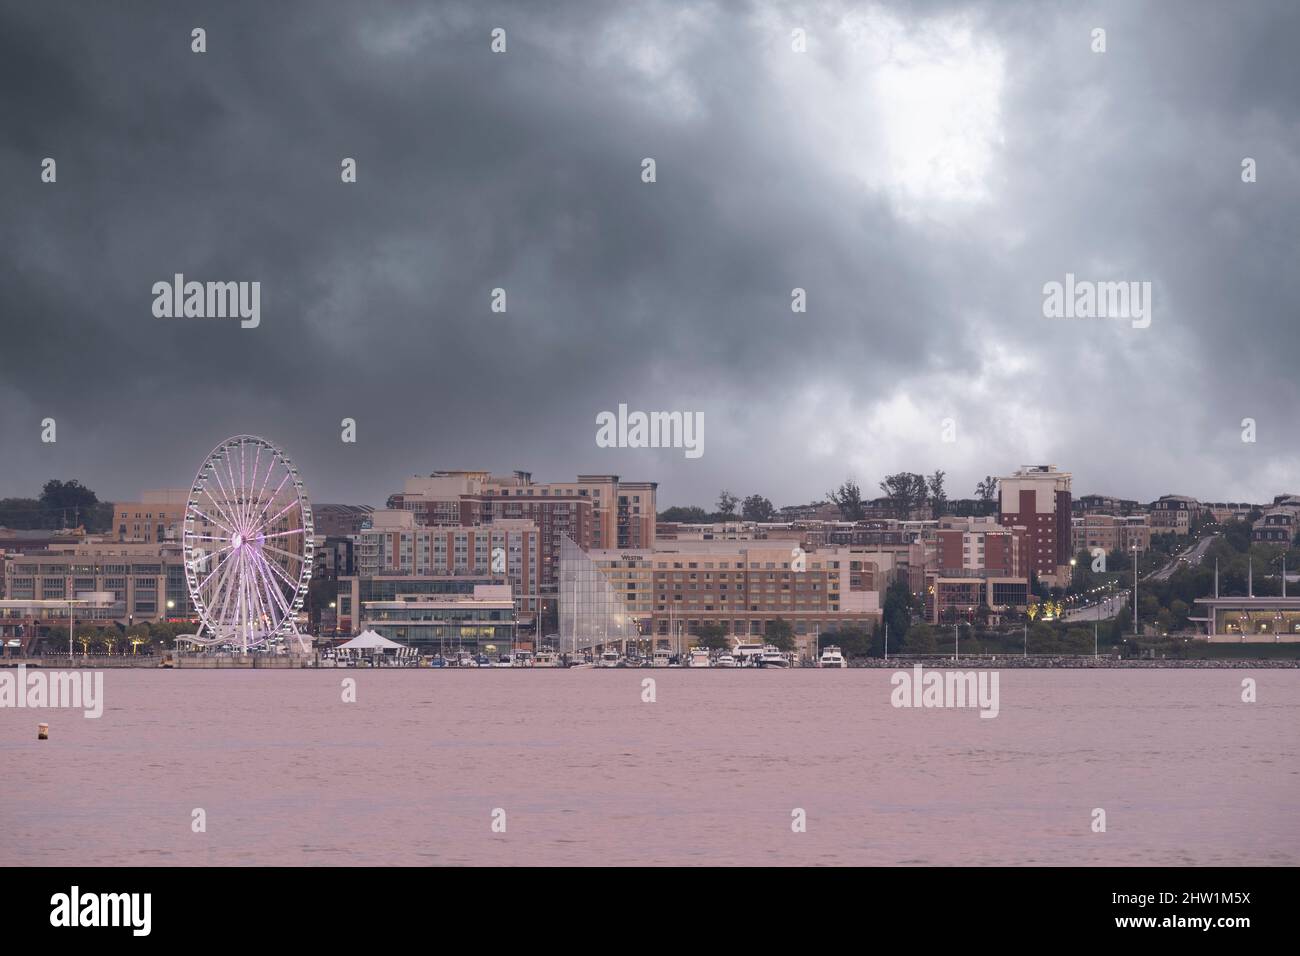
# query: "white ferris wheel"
x,y
248,545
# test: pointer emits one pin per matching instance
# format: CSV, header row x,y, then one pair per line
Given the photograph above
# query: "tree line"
x,y
62,504
906,494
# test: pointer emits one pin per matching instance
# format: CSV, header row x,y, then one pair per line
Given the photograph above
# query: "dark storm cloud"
x,y
775,170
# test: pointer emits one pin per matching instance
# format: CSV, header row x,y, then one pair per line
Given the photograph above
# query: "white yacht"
x,y
546,659
609,659
832,656
724,660
661,657
699,657
771,657
748,654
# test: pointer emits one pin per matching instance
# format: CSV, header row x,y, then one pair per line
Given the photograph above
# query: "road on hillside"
x,y
1105,609
1189,558
1111,606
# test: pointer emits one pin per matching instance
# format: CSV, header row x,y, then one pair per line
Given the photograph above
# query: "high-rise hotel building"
x,y
1037,498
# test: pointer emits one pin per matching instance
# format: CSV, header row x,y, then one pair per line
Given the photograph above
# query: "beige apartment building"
x,y
158,516
677,587
1111,533
146,581
1176,513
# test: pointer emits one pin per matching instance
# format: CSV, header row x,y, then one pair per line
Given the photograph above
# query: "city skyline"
x,y
870,492
922,176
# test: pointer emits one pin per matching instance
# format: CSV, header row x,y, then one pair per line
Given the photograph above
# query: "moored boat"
x,y
832,656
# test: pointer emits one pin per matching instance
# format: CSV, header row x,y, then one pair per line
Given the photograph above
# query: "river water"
x,y
581,770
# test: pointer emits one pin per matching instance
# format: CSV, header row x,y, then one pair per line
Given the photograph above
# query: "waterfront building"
x,y
978,567
147,581
355,591
24,621
599,607
1250,620
505,550
480,621
674,589
958,597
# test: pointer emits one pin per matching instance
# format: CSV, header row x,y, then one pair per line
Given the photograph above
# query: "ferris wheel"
x,y
248,545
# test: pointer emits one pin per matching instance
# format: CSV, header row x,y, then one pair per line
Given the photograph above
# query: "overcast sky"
x,y
922,170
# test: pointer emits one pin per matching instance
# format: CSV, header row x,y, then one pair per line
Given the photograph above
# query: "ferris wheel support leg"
x,y
302,641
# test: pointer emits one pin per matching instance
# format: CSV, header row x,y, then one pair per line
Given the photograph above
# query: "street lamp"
x,y
1135,590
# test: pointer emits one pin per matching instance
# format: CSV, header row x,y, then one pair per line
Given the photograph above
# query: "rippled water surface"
x,y
587,773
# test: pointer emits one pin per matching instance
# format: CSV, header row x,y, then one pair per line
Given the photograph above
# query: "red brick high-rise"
x,y
1037,498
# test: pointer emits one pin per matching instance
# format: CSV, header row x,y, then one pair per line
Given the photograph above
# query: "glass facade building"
x,y
481,622
592,612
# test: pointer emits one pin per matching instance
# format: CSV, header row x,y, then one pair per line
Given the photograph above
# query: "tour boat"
x,y
699,657
662,657
609,659
832,657
771,657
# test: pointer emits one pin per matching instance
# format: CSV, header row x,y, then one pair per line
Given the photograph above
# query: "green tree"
x,y
780,635
1078,640
848,498
757,508
906,491
853,640
1042,638
69,503
938,497
1179,609
687,515
61,504
921,640
897,612
727,505
712,636
986,491
20,513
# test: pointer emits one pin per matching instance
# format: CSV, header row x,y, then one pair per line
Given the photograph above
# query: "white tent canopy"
x,y
369,640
